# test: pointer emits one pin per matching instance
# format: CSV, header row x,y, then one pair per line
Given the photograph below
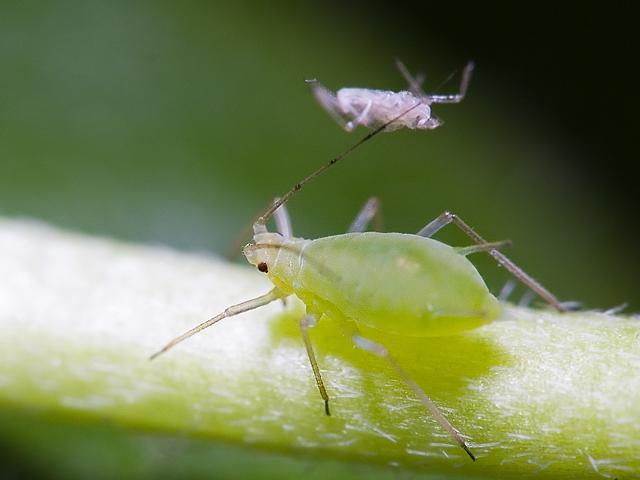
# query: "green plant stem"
x,y
535,391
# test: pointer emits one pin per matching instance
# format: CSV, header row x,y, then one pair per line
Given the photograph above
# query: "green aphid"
x,y
402,284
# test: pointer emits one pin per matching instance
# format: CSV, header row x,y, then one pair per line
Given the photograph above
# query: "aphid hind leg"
x,y
447,217
307,322
370,211
382,352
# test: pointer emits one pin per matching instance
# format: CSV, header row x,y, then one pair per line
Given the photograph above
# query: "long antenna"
x,y
262,219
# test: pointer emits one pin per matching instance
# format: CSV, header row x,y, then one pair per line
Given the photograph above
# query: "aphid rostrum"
x,y
392,282
372,108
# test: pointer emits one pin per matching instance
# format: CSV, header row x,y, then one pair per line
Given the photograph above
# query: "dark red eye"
x,y
263,267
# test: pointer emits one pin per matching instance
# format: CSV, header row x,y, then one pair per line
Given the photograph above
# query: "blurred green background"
x,y
175,123
172,124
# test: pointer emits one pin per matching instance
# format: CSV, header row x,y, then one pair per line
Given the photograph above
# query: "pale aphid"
x,y
372,108
407,285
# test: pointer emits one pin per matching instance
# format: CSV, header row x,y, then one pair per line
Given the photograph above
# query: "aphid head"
x,y
264,251
278,257
428,123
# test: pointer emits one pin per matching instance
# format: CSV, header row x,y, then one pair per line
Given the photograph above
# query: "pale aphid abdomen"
x,y
374,108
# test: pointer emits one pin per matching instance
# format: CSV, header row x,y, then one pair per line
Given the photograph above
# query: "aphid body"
x,y
397,283
373,108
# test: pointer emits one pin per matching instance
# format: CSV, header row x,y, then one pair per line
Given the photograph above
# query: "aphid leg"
x,y
507,290
360,119
415,83
370,211
307,322
572,305
464,251
283,227
447,217
526,298
464,85
381,351
328,101
283,220
615,310
228,312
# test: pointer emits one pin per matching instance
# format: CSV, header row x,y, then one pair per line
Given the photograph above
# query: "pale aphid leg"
x,y
382,352
307,322
370,211
415,83
615,310
282,220
447,217
506,290
572,305
526,299
360,119
283,227
228,312
464,251
458,97
328,101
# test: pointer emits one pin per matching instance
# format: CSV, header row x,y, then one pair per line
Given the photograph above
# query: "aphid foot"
x,y
466,449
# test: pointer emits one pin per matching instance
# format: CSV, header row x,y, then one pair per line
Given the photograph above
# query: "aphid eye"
x,y
262,266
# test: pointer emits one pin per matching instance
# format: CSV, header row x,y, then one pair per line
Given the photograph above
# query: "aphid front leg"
x,y
370,211
228,312
307,322
447,217
283,227
381,351
283,220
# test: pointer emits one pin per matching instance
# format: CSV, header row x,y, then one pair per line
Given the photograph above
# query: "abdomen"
x,y
397,283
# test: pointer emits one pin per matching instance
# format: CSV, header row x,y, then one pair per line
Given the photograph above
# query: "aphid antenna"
x,y
259,225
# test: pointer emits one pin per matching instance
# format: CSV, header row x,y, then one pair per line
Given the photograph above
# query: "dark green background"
x,y
174,124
